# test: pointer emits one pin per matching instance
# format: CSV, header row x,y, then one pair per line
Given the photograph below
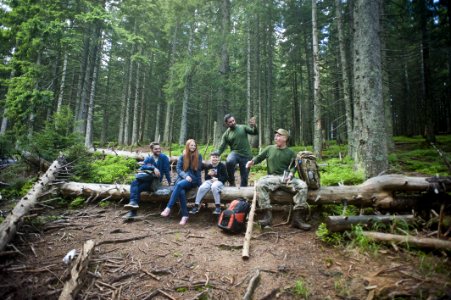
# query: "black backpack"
x,y
233,219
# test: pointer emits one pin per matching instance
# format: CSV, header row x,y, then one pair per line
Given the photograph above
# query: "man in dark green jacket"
x,y
236,137
281,167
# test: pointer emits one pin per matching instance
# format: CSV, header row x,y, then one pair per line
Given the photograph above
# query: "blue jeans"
x,y
179,192
232,159
137,186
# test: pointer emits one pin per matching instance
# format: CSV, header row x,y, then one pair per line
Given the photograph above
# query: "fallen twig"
x,y
122,240
252,286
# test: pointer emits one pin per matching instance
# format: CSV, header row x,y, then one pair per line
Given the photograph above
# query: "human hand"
x,y
188,178
156,172
249,164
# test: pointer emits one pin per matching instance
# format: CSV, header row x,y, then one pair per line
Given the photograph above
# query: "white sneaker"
x,y
166,212
183,220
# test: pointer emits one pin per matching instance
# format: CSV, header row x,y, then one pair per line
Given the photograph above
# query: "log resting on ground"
x,y
408,240
343,223
8,227
378,192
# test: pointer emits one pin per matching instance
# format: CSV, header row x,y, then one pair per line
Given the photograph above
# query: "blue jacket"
x,y
196,175
162,165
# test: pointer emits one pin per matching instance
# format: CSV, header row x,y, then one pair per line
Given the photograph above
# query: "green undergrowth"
x,y
105,169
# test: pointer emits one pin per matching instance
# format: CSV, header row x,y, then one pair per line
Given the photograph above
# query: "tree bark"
x,y
378,192
249,227
187,89
9,226
317,132
63,82
342,223
344,75
369,123
409,240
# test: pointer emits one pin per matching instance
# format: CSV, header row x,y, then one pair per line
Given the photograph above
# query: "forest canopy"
x,y
130,72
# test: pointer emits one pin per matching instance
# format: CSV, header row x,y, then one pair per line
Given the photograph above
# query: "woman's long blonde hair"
x,y
190,158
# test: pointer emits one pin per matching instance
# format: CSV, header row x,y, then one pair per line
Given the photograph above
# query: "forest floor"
x,y
155,256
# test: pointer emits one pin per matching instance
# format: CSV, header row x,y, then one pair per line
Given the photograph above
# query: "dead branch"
x,y
116,241
8,227
250,225
409,240
343,223
252,286
72,286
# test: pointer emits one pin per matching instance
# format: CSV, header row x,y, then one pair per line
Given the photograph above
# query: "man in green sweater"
x,y
281,167
236,137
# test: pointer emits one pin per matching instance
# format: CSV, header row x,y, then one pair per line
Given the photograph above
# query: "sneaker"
x,y
166,212
183,220
131,205
217,211
130,215
194,210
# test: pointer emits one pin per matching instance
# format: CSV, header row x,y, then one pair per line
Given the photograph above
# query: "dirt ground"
x,y
156,258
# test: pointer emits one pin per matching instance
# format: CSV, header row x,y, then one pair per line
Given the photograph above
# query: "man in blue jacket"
x,y
150,175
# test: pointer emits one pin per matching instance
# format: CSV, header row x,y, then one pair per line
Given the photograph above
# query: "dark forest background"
x,y
134,71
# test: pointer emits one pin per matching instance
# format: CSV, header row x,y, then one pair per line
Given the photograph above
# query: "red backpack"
x,y
233,219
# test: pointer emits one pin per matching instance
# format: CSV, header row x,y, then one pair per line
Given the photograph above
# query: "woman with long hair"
x,y
189,167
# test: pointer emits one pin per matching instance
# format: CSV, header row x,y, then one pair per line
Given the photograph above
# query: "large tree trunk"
x,y
378,192
63,82
9,226
370,123
97,54
317,132
135,125
344,75
187,89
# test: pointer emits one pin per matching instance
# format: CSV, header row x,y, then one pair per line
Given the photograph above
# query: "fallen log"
x,y
73,284
379,192
409,241
8,227
343,223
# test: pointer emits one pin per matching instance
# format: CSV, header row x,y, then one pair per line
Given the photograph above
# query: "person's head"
x,y
229,121
155,148
214,157
190,155
281,137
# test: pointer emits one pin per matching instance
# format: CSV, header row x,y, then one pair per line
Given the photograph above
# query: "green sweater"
x,y
237,140
278,160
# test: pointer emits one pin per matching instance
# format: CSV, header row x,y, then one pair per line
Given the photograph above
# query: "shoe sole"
x,y
130,207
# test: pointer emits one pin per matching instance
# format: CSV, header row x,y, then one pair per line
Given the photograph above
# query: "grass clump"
x,y
300,289
331,238
362,242
77,203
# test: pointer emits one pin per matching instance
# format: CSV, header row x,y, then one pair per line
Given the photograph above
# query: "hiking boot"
x,y
183,220
299,216
166,212
130,215
131,205
217,211
194,210
267,218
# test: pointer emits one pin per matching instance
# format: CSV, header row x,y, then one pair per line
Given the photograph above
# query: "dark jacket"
x,y
221,172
